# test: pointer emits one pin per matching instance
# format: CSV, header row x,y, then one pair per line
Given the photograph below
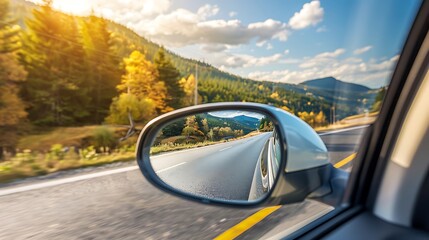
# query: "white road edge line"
x,y
166,169
53,183
343,130
65,180
224,149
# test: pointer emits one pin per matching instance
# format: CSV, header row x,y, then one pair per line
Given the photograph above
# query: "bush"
x,y
88,153
57,152
104,139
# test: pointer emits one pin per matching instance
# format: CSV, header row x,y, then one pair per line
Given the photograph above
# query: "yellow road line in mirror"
x,y
345,161
247,223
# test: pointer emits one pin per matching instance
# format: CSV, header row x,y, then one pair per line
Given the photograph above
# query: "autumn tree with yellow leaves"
x,y
141,92
188,86
313,119
12,74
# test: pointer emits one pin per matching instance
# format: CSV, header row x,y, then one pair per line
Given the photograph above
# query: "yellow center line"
x,y
247,223
260,215
345,161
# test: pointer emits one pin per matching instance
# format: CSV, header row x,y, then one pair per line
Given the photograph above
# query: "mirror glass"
x,y
223,155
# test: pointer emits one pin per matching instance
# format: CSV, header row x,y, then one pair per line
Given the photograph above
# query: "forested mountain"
x,y
332,84
245,123
246,120
104,65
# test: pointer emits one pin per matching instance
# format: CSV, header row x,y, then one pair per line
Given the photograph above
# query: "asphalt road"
x,y
221,171
341,144
116,202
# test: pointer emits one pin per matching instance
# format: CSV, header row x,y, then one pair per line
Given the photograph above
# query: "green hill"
x,y
332,84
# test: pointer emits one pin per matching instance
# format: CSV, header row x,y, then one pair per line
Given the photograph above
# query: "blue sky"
x,y
283,40
233,113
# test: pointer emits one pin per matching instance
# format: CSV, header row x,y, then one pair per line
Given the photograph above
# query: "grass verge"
x,y
352,121
176,147
37,165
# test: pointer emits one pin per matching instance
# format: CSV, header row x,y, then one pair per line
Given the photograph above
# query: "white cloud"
x,y
322,29
290,61
310,15
282,35
261,44
362,50
182,27
231,61
322,58
287,51
114,9
269,46
232,14
333,54
370,73
177,27
214,48
208,11
269,29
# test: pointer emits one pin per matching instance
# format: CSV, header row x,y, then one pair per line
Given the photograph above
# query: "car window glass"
x,y
80,79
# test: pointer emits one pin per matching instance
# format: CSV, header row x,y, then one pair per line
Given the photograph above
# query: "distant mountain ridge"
x,y
241,122
333,84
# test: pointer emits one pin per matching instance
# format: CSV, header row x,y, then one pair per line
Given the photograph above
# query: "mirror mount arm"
x,y
294,187
325,184
336,184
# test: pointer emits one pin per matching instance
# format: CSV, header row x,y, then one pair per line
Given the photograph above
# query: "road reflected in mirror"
x,y
225,155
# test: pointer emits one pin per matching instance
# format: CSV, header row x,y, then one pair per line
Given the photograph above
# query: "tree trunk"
x,y
1,153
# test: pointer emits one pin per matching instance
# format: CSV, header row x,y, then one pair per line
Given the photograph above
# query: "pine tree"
x,y
52,56
169,74
12,74
9,35
379,99
74,70
103,72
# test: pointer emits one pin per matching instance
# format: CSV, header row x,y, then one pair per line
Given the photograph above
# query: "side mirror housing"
x,y
235,154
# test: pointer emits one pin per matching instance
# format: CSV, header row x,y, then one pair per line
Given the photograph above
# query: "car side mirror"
x,y
235,154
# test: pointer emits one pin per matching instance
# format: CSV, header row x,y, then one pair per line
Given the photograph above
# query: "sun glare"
x,y
78,7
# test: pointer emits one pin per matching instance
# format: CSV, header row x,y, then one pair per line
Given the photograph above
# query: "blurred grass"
x,y
30,164
66,136
352,121
64,148
364,115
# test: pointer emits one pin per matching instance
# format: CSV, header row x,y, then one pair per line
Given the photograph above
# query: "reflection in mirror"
x,y
224,155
